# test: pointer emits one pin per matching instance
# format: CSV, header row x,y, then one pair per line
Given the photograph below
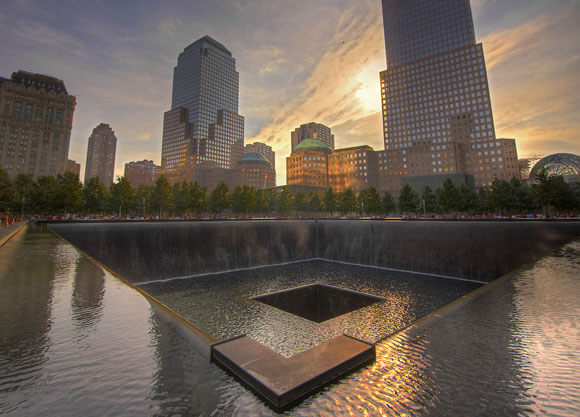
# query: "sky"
x,y
299,61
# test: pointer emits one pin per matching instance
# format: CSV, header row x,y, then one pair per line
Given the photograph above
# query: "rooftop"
x,y
312,144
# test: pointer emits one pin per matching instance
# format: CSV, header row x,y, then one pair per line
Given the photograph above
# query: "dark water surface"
x,y
75,341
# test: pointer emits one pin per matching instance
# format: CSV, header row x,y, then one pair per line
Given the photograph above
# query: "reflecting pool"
x,y
75,340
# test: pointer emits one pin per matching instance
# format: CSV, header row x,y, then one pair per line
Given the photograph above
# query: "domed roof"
x,y
312,144
557,164
254,157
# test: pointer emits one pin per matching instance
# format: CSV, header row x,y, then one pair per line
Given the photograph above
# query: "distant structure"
x,y
264,150
142,172
315,164
36,114
566,165
74,167
203,134
437,112
308,163
312,130
256,171
101,155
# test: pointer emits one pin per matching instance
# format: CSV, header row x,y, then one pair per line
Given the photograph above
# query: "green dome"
x,y
254,157
312,144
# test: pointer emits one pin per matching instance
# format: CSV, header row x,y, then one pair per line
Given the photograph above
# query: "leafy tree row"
x,y
64,195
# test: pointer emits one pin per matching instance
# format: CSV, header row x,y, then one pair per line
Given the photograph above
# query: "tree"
x,y
197,198
162,197
144,199
264,201
300,201
389,204
44,196
347,202
122,194
95,195
219,200
429,200
408,200
243,199
313,202
24,190
285,200
181,197
330,201
501,196
6,191
370,201
448,197
68,192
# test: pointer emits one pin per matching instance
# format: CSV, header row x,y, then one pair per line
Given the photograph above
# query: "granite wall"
x,y
483,251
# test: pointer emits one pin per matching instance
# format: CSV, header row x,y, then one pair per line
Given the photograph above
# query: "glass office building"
x,y
203,130
437,112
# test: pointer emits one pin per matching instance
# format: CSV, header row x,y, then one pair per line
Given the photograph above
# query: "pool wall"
x,y
482,251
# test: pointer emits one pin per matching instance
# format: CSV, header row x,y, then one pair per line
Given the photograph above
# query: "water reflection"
x,y
26,290
87,295
512,351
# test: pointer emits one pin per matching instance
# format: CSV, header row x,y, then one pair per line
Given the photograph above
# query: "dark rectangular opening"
x,y
318,302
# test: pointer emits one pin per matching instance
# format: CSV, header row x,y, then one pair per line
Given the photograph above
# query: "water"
x,y
222,304
76,341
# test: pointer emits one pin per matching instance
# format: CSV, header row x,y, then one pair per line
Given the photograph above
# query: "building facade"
x,y
101,155
74,167
36,115
312,130
437,114
308,164
264,150
256,171
203,134
314,164
142,172
354,168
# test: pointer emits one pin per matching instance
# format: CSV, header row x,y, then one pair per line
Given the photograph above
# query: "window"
x,y
28,112
17,109
38,115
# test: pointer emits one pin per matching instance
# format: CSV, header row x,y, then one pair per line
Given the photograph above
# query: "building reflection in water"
x,y
26,291
87,294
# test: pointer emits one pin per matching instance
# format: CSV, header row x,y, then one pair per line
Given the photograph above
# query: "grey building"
x,y
36,115
203,134
436,107
101,155
312,130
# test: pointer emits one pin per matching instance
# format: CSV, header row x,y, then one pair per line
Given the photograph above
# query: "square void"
x,y
318,302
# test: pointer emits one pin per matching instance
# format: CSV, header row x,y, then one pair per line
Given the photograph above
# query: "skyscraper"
x,y
36,114
101,155
203,134
312,130
436,107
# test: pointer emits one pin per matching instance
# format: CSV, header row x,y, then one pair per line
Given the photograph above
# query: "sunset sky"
x,y
299,61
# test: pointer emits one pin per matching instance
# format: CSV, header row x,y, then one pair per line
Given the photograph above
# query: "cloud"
x,y
330,93
534,72
169,27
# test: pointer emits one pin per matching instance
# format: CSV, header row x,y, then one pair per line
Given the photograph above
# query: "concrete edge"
x,y
12,233
200,339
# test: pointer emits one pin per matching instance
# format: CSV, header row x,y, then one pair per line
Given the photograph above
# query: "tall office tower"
x,y
101,155
36,114
264,150
312,130
436,107
203,134
142,172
